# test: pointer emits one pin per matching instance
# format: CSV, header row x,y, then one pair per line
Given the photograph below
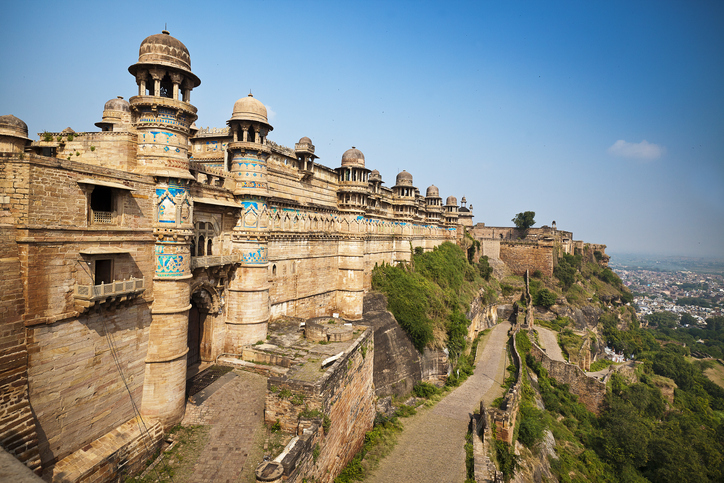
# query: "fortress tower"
x,y
162,116
248,314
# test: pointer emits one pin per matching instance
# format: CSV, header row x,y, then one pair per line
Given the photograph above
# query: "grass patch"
x,y
178,464
600,365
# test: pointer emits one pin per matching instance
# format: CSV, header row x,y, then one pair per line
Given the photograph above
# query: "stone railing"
x,y
108,294
484,468
105,290
214,261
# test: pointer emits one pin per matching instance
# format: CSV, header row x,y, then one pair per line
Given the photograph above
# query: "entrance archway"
x,y
195,334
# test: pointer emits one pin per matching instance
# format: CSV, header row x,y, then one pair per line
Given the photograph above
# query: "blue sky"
x,y
607,117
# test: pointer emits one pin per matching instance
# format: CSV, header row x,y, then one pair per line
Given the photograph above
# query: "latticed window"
x,y
205,240
102,205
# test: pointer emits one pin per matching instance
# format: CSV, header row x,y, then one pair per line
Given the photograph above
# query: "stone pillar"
x,y
350,281
164,384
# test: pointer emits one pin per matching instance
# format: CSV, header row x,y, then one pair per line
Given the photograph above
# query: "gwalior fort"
x,y
134,255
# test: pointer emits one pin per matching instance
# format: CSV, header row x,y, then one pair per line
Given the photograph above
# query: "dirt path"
x,y
235,414
549,340
431,448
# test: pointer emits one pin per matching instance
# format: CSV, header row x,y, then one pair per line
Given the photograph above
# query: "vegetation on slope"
x,y
430,296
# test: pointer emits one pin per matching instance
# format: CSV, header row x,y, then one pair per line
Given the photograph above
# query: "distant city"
x,y
680,285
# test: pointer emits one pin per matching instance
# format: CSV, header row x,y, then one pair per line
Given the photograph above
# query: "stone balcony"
x,y
214,261
111,294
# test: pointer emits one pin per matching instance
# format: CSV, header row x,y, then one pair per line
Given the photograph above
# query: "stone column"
x,y
164,384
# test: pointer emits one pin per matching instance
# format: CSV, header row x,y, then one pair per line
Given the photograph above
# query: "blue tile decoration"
x,y
169,265
256,257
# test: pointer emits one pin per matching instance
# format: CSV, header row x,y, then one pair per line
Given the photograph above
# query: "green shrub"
x,y
425,390
544,298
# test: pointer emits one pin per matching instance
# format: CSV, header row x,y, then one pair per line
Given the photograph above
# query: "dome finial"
x,y
165,29
250,93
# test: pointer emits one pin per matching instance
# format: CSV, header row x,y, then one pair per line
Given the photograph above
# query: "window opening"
x,y
166,87
101,204
103,271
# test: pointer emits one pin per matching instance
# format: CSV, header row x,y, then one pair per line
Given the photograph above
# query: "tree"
x,y
544,298
524,220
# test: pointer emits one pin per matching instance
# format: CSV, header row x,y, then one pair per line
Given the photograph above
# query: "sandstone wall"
x,y
345,394
76,389
18,433
108,149
522,256
112,457
590,391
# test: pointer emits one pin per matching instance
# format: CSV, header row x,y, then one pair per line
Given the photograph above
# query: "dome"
x,y
117,104
375,175
432,192
463,201
12,126
353,157
452,201
305,140
249,109
464,210
404,178
163,49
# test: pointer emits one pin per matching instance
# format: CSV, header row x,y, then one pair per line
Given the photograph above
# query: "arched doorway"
x,y
196,326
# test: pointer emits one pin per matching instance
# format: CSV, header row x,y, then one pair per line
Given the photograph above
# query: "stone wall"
x,y
505,417
119,453
522,256
590,391
345,393
18,433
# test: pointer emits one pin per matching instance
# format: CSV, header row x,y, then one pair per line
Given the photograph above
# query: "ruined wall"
x,y
345,394
522,256
590,391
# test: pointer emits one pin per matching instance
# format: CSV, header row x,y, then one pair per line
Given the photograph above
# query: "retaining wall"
x,y
590,391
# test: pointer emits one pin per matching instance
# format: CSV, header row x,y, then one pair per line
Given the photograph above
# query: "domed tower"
x,y
13,134
161,115
304,150
403,197
116,115
451,211
353,182
248,305
465,215
433,204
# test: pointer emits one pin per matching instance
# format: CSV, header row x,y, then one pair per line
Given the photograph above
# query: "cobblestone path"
x,y
235,415
549,339
431,447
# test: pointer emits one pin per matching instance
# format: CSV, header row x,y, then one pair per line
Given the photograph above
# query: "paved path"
x,y
235,415
431,448
549,340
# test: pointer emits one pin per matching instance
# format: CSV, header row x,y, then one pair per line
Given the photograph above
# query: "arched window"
x,y
166,87
202,245
208,247
274,270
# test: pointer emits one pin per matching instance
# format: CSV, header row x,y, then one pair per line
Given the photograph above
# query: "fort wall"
x,y
345,394
519,257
